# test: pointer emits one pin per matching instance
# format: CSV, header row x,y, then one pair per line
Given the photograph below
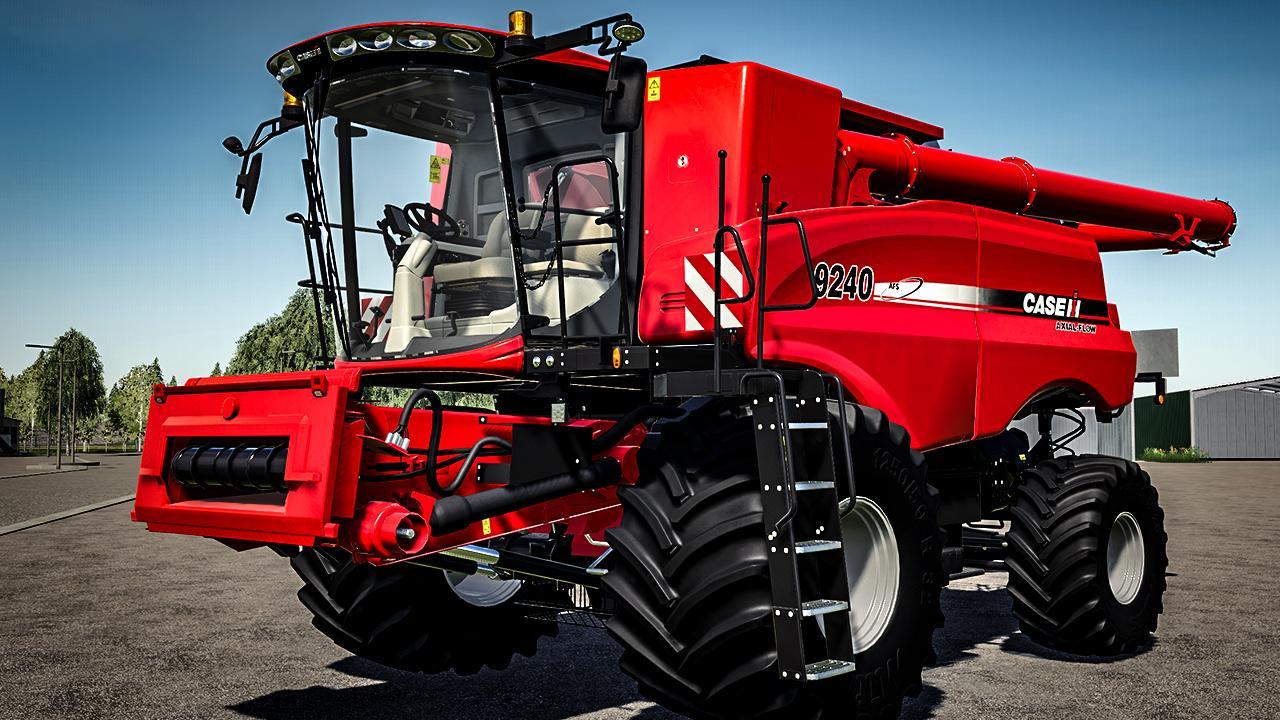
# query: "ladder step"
x,y
813,546
815,485
824,669
822,607
807,426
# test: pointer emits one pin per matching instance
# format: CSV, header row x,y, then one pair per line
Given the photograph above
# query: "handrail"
x,y
808,264
746,266
787,481
761,307
561,243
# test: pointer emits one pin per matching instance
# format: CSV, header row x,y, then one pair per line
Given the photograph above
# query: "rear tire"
x,y
417,619
1087,555
691,587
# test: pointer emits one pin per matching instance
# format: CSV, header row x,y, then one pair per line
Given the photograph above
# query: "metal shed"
x,y
1238,421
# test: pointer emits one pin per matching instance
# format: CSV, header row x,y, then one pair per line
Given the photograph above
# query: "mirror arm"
x,y
593,33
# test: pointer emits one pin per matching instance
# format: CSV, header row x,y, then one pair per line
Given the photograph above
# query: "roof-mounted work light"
x,y
628,31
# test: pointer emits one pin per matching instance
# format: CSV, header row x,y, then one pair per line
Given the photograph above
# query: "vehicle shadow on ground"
x,y
576,674
975,618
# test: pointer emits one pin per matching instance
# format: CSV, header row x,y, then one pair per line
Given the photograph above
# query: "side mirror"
x,y
247,183
624,94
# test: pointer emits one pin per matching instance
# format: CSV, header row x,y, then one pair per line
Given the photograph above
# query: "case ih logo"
x,y
699,296
1051,305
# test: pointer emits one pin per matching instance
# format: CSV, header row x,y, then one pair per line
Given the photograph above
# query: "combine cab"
x,y
751,351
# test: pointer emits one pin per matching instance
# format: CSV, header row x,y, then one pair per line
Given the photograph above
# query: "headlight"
x,y
376,40
417,39
343,45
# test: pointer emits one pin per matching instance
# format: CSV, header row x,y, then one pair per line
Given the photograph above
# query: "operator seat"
x,y
494,262
480,294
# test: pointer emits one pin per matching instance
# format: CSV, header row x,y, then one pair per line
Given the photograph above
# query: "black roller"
x,y
456,512
243,467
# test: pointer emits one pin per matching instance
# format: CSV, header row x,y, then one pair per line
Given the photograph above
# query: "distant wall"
x,y
1236,423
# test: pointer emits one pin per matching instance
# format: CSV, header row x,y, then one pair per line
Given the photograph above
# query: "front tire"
x,y
691,586
1087,555
418,619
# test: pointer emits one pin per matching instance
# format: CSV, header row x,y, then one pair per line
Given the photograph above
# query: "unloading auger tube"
x,y
1119,217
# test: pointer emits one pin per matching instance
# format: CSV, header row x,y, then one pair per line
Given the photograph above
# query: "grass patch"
x,y
1175,455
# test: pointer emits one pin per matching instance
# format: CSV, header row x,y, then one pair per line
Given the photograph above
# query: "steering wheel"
x,y
434,222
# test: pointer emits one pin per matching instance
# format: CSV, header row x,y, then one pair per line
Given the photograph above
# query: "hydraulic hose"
x,y
613,435
489,440
398,437
456,512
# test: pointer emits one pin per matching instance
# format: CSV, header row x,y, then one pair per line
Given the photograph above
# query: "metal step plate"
x,y
815,485
824,669
812,546
822,607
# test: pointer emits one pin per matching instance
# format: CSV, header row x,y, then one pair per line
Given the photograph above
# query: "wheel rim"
x,y
482,591
871,559
1126,558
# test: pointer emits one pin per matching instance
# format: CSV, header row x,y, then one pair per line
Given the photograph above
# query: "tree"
x,y
130,398
35,394
23,401
173,381
283,342
217,370
290,341
82,376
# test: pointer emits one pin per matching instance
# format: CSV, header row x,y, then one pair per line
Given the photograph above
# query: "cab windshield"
x,y
427,201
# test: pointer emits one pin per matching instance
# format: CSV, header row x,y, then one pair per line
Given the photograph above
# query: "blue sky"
x,y
116,207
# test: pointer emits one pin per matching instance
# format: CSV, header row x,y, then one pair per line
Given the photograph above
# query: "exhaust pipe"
x,y
456,512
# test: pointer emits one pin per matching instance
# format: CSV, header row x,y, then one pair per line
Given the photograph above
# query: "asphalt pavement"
x,y
101,619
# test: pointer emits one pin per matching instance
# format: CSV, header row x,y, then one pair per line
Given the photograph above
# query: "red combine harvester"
x,y
753,351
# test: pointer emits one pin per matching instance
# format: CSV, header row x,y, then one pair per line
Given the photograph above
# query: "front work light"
x,y
284,67
343,45
378,40
417,39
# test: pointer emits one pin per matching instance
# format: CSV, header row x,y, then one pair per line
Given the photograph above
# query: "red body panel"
x,y
1023,355
737,107
933,353
277,408
333,443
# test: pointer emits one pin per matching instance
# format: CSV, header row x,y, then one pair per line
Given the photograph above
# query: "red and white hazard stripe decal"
x,y
375,312
699,295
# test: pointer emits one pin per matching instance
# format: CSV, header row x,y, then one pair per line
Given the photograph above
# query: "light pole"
x,y
75,384
58,359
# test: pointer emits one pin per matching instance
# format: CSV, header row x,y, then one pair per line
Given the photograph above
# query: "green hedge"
x,y
1175,455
